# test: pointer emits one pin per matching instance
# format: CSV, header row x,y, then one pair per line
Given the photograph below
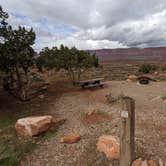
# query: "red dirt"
x,y
97,118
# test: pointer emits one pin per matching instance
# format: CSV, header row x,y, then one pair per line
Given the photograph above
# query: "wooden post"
x,y
127,131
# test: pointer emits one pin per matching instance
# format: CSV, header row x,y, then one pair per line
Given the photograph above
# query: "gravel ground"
x,y
150,125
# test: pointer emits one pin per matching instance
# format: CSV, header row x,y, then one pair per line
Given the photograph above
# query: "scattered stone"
x,y
70,139
156,72
41,96
31,126
44,88
137,162
111,98
140,162
92,111
109,145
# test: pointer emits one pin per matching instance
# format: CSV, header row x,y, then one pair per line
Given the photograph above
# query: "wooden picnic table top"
x,y
96,79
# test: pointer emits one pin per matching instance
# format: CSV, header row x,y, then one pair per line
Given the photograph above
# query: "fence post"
x,y
127,131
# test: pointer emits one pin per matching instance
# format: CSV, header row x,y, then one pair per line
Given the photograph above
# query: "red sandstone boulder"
x,y
70,139
109,145
31,126
152,163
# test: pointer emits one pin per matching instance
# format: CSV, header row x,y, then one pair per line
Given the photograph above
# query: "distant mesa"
x,y
131,54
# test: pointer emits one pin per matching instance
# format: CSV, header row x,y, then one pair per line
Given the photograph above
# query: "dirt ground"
x,y
74,106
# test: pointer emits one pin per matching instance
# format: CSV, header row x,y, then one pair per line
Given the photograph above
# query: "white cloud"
x,y
92,24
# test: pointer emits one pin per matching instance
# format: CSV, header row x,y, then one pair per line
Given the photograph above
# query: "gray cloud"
x,y
97,23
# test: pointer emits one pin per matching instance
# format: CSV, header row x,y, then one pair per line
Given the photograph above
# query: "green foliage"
x,y
12,148
70,59
47,59
147,68
16,51
16,56
163,97
163,68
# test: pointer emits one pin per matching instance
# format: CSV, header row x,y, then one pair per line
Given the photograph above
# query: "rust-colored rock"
x,y
137,162
152,163
109,145
31,126
70,139
132,78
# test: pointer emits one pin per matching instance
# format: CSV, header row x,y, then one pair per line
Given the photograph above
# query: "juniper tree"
x,y
16,56
74,61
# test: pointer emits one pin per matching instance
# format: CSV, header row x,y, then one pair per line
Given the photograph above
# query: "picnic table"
x,y
91,83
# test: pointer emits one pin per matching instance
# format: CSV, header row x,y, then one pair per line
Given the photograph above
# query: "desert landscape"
x,y
150,129
90,114
82,83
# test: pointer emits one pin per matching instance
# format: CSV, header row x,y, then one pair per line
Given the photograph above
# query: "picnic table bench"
x,y
91,83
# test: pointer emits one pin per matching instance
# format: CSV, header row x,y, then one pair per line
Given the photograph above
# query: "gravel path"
x,y
150,126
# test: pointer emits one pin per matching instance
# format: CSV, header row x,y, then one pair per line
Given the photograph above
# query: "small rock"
x,y
156,72
44,88
70,139
114,98
137,162
109,145
90,112
41,96
152,163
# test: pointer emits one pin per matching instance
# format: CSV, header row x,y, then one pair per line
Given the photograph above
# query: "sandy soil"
x,y
150,125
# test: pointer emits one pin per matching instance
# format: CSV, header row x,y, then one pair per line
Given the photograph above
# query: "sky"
x,y
91,24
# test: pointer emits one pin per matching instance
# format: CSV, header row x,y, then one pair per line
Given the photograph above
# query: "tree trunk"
x,y
26,85
11,79
79,74
22,91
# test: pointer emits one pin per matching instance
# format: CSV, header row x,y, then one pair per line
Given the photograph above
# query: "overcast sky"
x,y
91,24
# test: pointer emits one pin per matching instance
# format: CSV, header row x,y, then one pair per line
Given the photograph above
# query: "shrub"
x,y
163,97
163,68
147,68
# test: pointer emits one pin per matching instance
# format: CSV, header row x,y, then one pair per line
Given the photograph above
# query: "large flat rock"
x,y
31,126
